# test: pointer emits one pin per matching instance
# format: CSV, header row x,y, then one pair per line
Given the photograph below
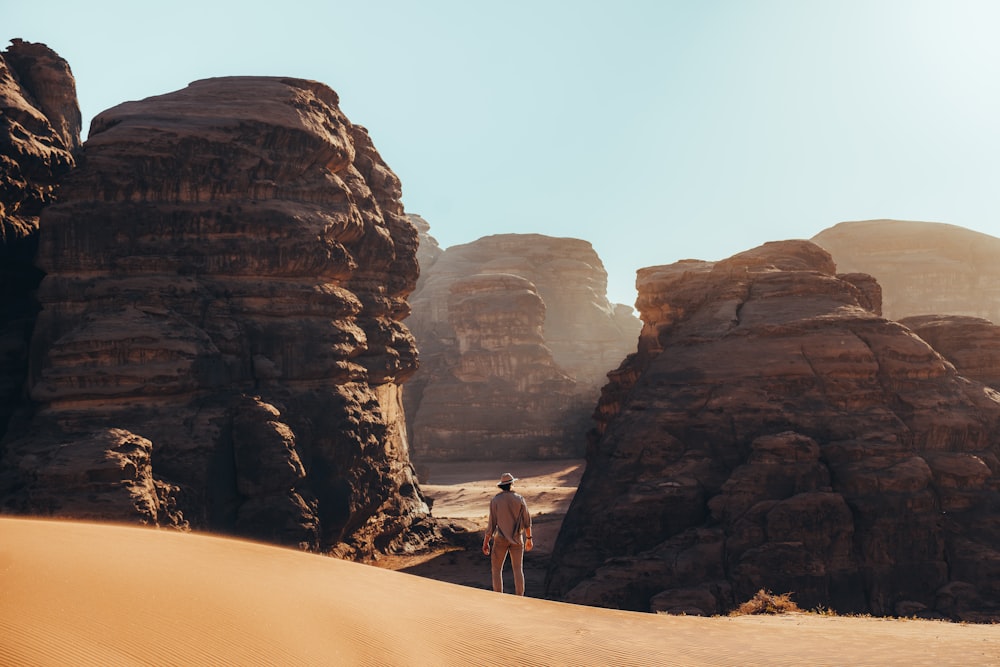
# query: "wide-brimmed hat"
x,y
506,478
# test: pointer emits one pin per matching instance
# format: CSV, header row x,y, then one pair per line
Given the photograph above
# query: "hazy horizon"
x,y
656,131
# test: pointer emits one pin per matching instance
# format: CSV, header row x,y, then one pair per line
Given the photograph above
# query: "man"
x,y
509,520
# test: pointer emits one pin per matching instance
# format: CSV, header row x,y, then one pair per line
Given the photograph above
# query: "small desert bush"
x,y
766,602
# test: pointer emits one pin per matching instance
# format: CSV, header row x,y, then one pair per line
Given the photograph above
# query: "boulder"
x,y
103,475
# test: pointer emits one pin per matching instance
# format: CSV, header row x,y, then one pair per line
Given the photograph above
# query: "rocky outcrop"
x,y
516,337
773,432
972,344
51,90
924,268
39,129
428,251
221,342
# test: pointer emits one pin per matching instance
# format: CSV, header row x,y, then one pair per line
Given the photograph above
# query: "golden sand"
x,y
92,594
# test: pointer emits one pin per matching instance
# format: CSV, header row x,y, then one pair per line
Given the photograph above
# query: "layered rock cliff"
x,y
39,129
772,431
221,342
516,337
972,344
924,268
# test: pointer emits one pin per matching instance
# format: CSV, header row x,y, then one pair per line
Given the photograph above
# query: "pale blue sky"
x,y
656,130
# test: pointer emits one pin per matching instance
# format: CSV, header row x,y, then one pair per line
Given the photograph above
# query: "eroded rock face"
x,y
774,432
972,344
516,337
227,275
47,78
429,251
924,268
39,129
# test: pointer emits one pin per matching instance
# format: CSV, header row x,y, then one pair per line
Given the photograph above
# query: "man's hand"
x,y
486,548
529,545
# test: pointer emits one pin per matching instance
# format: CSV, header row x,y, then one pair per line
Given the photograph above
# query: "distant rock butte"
x,y
221,343
924,268
773,432
39,129
516,337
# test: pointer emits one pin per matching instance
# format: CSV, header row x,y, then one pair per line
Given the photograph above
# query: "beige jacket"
x,y
509,515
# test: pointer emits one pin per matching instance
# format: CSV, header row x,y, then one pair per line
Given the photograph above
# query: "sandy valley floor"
x,y
461,492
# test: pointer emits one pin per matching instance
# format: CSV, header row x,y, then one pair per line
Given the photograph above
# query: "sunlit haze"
x,y
655,130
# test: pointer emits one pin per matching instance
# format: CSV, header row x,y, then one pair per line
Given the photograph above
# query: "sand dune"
x,y
88,594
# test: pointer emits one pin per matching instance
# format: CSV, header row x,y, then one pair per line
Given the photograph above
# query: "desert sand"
x,y
99,594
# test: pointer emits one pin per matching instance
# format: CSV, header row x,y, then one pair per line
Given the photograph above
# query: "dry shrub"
x,y
766,602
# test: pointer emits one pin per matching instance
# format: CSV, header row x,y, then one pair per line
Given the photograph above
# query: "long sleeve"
x,y
491,525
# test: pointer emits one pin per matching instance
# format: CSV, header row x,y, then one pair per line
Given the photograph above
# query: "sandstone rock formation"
x,y
221,341
972,344
773,432
516,336
429,251
924,268
39,129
